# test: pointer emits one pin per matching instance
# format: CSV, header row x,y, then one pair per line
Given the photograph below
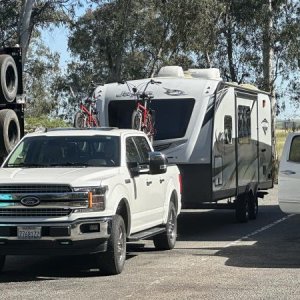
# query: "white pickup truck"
x,y
87,191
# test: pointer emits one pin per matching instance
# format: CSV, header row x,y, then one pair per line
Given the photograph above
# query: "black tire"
x,y
167,240
8,79
2,262
79,120
242,208
253,207
136,120
9,131
112,261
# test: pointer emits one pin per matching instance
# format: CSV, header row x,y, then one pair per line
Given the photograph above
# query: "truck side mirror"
x,y
157,163
134,168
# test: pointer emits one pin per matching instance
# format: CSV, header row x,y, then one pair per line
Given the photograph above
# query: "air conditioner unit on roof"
x,y
171,71
212,73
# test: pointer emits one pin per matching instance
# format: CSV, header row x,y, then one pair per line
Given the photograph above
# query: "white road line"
x,y
259,230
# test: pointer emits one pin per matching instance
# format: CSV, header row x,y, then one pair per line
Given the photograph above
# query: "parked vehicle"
x,y
289,175
218,133
11,99
87,191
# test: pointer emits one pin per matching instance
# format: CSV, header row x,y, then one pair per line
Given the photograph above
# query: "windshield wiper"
x,y
69,164
26,165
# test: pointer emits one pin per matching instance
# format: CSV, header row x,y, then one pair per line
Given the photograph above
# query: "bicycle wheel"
x,y
136,120
149,128
96,122
79,120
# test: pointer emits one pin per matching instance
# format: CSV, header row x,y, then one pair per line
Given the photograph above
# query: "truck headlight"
x,y
96,198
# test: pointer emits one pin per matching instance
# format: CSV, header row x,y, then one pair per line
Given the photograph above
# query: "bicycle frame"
x,y
91,121
144,112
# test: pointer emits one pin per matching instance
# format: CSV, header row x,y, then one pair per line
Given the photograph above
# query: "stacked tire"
x,y
9,122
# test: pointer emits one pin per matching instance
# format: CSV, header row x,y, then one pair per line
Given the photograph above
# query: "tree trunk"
x,y
24,27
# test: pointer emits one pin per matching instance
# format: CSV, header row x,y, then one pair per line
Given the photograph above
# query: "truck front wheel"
x,y
167,240
2,261
112,261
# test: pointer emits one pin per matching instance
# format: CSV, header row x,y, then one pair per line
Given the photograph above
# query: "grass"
x,y
280,139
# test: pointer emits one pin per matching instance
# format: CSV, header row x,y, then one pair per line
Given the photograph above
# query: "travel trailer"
x,y
218,133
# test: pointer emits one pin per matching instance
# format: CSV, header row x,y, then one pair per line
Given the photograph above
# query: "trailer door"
x,y
246,142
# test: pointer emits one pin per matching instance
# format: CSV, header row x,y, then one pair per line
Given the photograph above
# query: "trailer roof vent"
x,y
171,71
212,73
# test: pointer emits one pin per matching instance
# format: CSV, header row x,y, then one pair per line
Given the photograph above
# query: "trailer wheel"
x,y
112,261
253,206
8,79
2,261
167,240
9,130
242,208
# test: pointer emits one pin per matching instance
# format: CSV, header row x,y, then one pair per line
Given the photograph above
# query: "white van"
x,y
289,175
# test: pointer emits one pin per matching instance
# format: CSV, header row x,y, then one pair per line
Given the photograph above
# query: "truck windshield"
x,y
171,116
66,151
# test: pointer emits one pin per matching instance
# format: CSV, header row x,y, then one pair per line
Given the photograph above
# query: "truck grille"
x,y
34,212
34,188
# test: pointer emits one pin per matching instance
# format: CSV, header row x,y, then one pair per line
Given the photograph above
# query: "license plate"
x,y
29,233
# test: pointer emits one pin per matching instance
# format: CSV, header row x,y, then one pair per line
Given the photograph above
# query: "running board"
x,y
146,234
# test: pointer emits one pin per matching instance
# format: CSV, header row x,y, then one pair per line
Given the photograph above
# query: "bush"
x,y
32,123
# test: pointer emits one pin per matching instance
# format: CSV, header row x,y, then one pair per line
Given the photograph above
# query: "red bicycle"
x,y
87,116
143,117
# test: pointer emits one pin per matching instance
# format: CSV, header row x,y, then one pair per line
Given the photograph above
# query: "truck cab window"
x,y
132,154
294,155
143,148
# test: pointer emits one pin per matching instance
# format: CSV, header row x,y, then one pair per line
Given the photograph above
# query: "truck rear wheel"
x,y
2,261
167,240
112,261
242,208
9,130
8,79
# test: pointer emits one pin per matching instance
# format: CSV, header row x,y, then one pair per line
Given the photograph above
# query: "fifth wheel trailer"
x,y
218,133
11,99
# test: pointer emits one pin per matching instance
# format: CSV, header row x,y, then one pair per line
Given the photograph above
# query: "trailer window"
x,y
295,150
244,124
171,116
228,130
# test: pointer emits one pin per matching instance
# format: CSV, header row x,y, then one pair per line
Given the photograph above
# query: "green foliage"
x,y
43,121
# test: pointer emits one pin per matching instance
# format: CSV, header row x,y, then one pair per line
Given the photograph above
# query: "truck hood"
x,y
72,176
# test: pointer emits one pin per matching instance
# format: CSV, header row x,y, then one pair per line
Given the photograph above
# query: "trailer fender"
x,y
8,79
9,131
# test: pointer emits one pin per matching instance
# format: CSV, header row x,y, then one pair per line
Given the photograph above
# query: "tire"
x,y
136,120
79,120
9,131
112,261
2,262
253,207
8,79
242,208
149,128
97,120
167,240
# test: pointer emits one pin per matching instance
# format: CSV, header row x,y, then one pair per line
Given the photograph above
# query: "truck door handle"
x,y
263,150
161,180
288,172
148,182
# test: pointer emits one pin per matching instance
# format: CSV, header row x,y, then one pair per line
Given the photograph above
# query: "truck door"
x,y
147,195
247,145
289,175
